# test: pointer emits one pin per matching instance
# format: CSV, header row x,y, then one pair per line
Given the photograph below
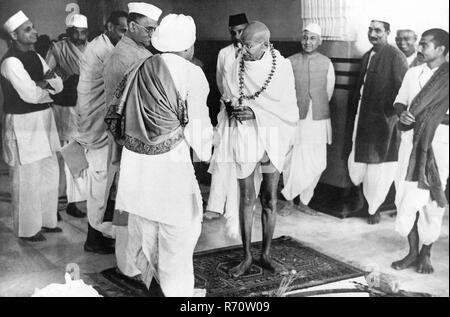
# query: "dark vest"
x,y
13,103
311,84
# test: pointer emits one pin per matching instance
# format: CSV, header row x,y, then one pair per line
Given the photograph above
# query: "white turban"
x,y
15,21
313,28
175,33
78,21
146,9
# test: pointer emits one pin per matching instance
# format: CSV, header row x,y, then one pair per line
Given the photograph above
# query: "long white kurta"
x,y
30,143
375,178
308,157
162,195
225,60
243,146
91,106
409,198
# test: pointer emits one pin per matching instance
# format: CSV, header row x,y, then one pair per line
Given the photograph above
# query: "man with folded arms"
x,y
30,138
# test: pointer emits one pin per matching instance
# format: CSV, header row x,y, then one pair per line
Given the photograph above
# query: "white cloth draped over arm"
x,y
199,131
219,71
13,70
56,82
331,80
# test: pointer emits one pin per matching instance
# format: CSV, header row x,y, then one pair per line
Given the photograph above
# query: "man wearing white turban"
x,y
30,138
64,57
142,21
157,185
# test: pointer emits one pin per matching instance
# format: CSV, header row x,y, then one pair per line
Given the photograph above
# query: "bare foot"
x,y
424,264
406,262
241,268
210,215
268,264
306,209
36,238
287,209
51,230
374,219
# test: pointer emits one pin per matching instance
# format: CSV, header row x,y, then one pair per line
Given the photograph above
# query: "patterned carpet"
x,y
306,266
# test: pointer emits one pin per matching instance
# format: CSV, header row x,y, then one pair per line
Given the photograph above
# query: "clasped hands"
x,y
240,113
50,74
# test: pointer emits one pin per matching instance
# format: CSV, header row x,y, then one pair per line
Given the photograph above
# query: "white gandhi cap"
x,y
15,21
146,9
175,33
313,28
78,21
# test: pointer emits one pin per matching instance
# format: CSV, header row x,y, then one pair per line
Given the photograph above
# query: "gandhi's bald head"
x,y
256,32
255,40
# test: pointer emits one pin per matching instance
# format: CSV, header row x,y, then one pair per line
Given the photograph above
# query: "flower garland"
x,y
264,86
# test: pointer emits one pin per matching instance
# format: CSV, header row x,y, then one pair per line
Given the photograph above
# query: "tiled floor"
x,y
25,266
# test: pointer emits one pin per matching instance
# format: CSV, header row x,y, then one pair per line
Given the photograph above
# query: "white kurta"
x,y
307,158
30,142
376,179
161,192
409,198
225,60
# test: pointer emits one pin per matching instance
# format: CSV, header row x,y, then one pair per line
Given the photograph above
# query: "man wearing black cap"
x,y
227,55
226,58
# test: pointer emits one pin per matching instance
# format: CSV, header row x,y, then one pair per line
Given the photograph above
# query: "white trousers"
x,y
34,196
410,199
376,180
165,253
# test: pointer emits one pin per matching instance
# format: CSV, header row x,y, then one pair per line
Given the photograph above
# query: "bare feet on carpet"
x,y
374,219
51,230
287,209
424,264
210,215
306,209
36,238
241,268
406,262
266,262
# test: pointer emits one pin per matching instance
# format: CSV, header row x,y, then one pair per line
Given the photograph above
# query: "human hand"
x,y
50,74
42,84
407,118
243,113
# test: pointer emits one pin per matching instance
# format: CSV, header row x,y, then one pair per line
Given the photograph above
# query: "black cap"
x,y
237,19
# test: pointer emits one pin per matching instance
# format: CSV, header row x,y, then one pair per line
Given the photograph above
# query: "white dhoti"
x,y
97,193
411,200
307,158
376,179
165,253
